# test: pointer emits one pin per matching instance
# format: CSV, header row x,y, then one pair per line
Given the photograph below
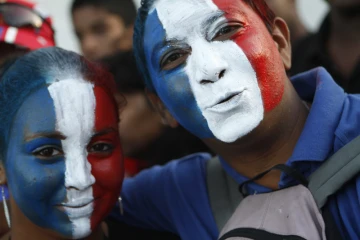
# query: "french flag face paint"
x,y
64,152
218,57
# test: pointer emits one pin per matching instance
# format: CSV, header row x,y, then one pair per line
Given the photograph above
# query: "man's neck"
x,y
268,145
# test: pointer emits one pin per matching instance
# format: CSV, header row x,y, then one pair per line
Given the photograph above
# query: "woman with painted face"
x,y
61,157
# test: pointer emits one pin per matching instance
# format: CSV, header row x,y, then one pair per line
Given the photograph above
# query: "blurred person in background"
x,y
336,46
23,27
103,27
146,140
287,10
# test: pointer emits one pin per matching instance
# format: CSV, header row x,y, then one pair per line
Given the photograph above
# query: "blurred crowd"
x,y
104,30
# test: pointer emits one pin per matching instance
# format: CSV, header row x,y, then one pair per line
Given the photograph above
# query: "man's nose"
x,y
206,63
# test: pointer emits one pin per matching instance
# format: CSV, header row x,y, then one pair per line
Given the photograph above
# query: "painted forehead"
x,y
74,103
181,18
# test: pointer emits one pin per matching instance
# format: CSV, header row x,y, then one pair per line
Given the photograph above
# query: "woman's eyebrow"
x,y
105,131
56,135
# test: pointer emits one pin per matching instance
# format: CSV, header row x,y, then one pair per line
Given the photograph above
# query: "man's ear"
x,y
159,106
3,179
281,36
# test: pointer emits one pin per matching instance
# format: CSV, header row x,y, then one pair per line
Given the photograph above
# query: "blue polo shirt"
x,y
175,198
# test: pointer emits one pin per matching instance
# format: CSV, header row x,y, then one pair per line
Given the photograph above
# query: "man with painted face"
x,y
219,69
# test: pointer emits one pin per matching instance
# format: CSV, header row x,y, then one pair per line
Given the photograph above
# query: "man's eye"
x,y
101,147
47,152
174,59
225,33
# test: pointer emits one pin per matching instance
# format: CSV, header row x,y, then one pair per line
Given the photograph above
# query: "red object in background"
x,y
27,36
133,166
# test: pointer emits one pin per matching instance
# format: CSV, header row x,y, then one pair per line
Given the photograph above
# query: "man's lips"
x,y
226,98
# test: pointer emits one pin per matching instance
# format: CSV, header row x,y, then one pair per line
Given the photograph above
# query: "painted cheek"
x,y
259,47
107,169
42,182
173,87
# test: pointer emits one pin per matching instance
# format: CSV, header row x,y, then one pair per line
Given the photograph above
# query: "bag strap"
x,y
336,171
223,192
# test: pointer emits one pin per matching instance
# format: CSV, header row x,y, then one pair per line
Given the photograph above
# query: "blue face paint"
x,y
37,185
173,86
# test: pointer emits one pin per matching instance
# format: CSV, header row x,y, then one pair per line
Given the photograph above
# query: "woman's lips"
x,y
78,208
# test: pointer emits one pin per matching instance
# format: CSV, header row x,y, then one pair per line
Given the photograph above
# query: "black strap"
x,y
258,234
283,168
331,229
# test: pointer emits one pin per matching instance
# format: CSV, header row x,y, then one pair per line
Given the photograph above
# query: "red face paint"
x,y
258,45
107,168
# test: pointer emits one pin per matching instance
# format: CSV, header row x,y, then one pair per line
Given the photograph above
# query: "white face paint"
x,y
74,102
229,98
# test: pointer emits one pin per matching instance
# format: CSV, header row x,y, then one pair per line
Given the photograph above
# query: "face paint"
x,y
226,76
107,166
74,102
72,190
172,86
259,48
37,185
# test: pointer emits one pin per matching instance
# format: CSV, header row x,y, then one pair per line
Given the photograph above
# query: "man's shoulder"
x,y
179,171
193,162
349,124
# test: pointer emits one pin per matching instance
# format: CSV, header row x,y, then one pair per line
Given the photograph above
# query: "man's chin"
x,y
235,127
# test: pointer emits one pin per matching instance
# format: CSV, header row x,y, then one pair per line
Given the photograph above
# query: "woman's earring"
x,y
6,210
121,206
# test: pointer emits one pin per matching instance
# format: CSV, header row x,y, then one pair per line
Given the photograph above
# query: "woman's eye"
x,y
173,60
225,33
101,147
47,152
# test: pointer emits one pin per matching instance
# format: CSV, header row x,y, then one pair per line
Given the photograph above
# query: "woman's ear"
x,y
3,179
281,36
159,106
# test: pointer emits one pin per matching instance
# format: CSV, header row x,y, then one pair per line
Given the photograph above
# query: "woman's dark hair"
x,y
259,6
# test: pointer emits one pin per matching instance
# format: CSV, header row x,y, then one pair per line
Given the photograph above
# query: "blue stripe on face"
x,y
37,185
173,87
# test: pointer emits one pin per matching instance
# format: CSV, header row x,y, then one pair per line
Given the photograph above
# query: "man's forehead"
x,y
177,17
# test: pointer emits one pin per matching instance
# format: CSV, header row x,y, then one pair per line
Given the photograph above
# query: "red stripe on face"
x,y
259,47
106,166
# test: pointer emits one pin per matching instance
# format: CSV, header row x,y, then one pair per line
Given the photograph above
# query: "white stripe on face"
x,y
74,102
231,102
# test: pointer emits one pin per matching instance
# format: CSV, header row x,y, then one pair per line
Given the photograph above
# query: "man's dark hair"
x,y
259,6
123,8
127,77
